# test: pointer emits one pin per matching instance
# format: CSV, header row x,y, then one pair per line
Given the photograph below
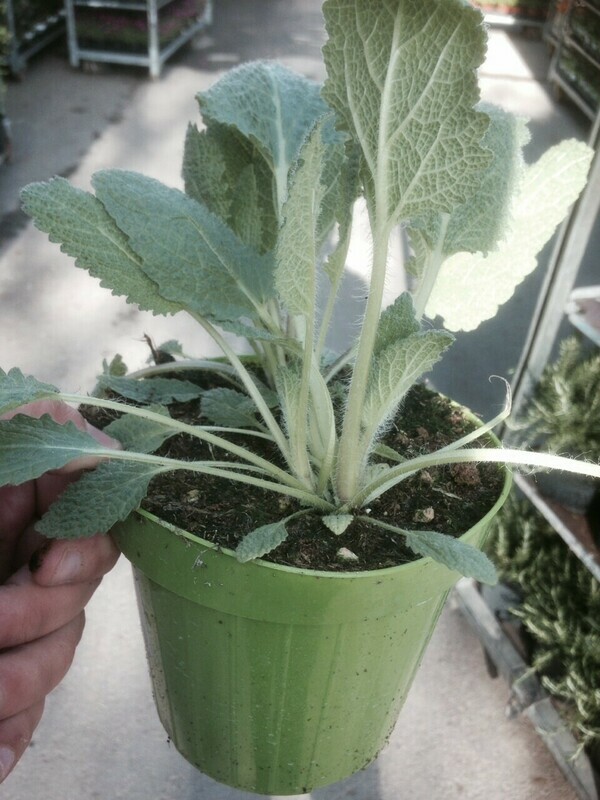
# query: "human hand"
x,y
44,587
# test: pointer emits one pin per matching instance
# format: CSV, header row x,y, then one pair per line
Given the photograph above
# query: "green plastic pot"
x,y
273,679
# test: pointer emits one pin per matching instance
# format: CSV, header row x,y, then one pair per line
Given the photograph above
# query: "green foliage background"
x,y
560,610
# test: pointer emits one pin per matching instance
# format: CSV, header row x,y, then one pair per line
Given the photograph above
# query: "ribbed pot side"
x,y
272,679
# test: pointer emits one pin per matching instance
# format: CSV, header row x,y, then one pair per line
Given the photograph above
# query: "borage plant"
x,y
271,182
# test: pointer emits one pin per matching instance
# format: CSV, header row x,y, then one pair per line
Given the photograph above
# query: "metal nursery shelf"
x,y
562,33
154,55
582,306
24,43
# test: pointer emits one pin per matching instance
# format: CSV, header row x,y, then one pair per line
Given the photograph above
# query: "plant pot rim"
x,y
329,574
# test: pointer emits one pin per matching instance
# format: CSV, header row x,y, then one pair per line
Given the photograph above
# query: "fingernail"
x,y
7,761
68,568
37,559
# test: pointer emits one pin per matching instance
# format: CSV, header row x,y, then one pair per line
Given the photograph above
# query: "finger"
x,y
74,561
15,736
29,672
29,611
17,506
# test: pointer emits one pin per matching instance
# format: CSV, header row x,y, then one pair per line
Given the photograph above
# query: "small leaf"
x,y
229,408
140,434
337,523
148,391
30,447
98,500
454,554
17,389
116,367
396,322
396,369
261,541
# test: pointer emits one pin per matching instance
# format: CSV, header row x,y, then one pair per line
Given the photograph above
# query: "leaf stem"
x,y
251,388
497,455
209,468
193,430
349,465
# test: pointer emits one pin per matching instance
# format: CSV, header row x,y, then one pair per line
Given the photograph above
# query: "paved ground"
x,y
100,737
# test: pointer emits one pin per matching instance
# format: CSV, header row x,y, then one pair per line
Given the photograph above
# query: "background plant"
x,y
265,220
563,414
560,610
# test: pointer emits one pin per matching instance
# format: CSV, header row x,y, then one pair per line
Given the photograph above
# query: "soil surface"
x,y
447,499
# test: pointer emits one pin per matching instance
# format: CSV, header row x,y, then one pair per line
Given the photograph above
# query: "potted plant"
x,y
563,416
289,586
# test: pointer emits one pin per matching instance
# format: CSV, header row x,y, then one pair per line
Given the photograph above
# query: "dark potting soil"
x,y
448,499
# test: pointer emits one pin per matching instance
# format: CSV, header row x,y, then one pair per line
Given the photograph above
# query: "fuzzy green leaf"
x,y
261,541
396,322
30,447
140,434
396,369
219,165
271,106
204,171
150,391
454,554
98,500
85,231
196,260
289,384
549,188
401,75
229,408
480,223
17,389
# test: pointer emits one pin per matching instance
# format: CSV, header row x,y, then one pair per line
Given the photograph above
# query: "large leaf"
x,y
547,191
30,447
80,224
17,389
192,255
98,500
480,223
270,105
454,554
261,541
401,75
